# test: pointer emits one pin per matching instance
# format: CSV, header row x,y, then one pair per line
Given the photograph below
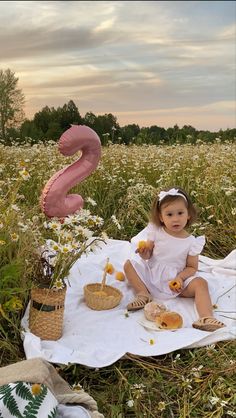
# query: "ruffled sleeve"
x,y
197,245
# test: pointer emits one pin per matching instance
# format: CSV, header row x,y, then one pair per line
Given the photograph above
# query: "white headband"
x,y
171,192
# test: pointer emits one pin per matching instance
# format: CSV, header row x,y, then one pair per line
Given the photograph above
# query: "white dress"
x,y
168,259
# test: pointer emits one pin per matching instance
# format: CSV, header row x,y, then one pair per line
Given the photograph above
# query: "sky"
x,y
146,62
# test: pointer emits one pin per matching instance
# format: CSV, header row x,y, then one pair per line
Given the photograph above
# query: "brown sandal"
x,y
139,302
208,323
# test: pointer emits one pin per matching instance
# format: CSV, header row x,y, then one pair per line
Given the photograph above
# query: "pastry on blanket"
x,y
152,310
169,320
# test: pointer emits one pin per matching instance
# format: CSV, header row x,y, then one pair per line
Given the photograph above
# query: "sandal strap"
x,y
139,302
208,323
210,320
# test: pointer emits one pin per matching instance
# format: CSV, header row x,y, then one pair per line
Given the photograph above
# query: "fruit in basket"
x,y
100,293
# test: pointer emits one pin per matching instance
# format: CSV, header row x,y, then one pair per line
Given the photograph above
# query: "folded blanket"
x,y
39,371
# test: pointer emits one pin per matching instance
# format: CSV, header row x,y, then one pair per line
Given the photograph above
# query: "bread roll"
x,y
169,320
152,310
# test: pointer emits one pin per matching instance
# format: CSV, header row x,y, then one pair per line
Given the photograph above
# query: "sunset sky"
x,y
146,62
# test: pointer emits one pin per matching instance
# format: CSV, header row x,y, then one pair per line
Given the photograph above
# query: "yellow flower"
x,y
55,247
76,387
14,304
24,174
59,284
14,237
65,249
36,389
2,242
54,225
151,341
161,406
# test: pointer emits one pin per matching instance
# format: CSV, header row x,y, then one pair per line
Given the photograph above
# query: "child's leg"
x,y
198,289
134,279
143,295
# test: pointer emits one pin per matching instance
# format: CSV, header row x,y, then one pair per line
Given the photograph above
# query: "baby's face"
x,y
175,215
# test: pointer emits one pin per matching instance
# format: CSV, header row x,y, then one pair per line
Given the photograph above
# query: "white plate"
x,y
151,326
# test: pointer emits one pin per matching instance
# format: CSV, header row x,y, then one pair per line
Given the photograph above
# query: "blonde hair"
x,y
157,205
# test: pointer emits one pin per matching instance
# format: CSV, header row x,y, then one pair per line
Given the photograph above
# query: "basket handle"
x,y
104,275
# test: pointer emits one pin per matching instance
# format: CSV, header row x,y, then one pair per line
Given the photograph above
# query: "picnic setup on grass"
x,y
77,311
83,319
86,321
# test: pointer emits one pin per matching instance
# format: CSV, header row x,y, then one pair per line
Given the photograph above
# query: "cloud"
x,y
106,24
34,42
201,118
116,56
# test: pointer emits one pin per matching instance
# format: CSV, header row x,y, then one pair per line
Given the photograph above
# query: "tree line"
x,y
49,123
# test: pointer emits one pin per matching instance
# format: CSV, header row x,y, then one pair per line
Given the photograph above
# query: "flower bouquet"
x,y
70,238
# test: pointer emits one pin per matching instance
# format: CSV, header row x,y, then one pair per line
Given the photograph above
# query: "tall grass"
x,y
190,383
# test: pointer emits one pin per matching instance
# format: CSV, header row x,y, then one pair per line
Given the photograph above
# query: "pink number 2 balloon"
x,y
55,202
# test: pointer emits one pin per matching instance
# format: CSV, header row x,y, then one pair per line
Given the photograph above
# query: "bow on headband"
x,y
171,192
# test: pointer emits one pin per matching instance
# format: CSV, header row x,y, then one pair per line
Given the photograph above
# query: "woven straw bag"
x,y
46,313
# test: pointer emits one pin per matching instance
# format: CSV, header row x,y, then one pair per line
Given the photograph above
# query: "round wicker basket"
x,y
101,302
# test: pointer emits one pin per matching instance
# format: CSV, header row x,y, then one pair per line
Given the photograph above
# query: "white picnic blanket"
x,y
99,338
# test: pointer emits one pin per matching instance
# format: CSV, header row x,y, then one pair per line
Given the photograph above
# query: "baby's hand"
x,y
176,285
144,249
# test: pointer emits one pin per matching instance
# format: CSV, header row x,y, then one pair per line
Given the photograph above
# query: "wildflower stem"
x,y
226,311
224,293
230,317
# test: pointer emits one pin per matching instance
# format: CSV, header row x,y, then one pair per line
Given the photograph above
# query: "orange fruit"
x,y
174,285
142,244
109,269
120,276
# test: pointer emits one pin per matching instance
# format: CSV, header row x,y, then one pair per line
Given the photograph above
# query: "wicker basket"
x,y
46,313
101,302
